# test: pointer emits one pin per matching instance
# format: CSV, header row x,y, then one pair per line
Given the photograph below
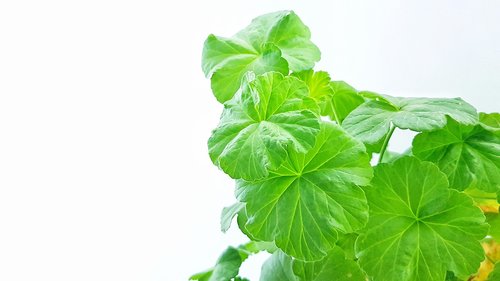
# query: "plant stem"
x,y
334,110
386,142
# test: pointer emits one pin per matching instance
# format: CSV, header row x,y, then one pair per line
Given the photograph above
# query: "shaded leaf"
x,y
468,155
346,243
335,98
451,277
278,268
391,156
344,100
335,266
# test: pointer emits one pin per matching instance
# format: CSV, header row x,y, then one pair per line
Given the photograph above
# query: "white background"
x,y
105,113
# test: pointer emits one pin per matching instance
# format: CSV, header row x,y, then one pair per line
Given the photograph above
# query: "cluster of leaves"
x,y
300,146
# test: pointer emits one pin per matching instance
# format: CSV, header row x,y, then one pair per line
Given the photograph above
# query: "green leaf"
x,y
487,201
318,84
227,80
493,219
268,246
418,228
335,98
391,156
227,266
344,100
273,42
242,220
260,246
305,202
490,121
271,114
335,266
451,277
346,243
370,122
278,268
202,276
375,148
369,95
495,274
229,263
228,213
468,155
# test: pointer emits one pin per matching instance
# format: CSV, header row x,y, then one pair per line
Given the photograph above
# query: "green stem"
x,y
334,110
386,142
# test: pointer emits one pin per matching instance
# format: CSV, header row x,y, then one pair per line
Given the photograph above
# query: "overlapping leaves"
x,y
273,42
228,265
299,178
371,121
335,266
304,203
468,155
336,98
318,84
418,228
490,121
271,114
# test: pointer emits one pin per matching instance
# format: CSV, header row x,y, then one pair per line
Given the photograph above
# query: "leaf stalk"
x,y
386,142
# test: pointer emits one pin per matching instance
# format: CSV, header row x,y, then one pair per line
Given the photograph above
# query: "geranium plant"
x,y
299,146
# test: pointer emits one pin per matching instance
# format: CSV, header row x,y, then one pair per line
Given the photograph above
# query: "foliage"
x,y
300,146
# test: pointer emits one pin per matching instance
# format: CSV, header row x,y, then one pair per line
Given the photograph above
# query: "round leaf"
x,y
270,114
304,203
418,228
273,42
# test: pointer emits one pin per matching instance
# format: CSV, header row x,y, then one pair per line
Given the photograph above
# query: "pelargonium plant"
x,y
300,145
